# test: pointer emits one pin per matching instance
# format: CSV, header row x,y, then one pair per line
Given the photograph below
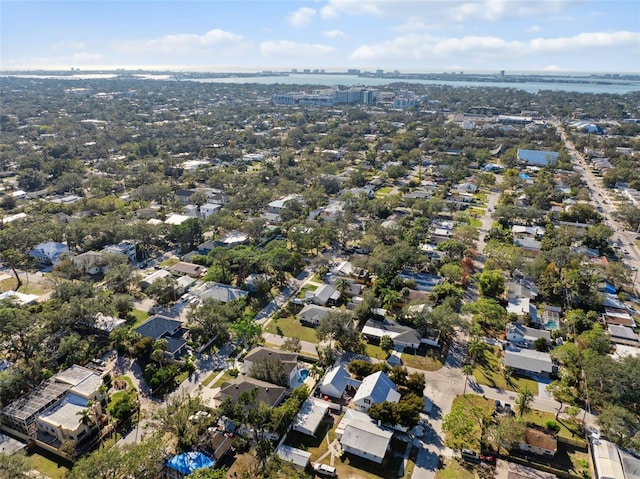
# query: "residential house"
x,y
311,414
276,206
126,248
49,253
151,278
521,307
607,460
175,219
182,268
270,394
361,436
424,282
288,360
375,388
529,246
209,209
539,442
324,295
91,262
618,316
622,335
522,290
312,314
218,291
232,239
48,413
254,279
161,327
524,336
402,336
528,362
182,465
335,382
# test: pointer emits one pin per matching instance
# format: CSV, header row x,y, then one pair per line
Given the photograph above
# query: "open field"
x,y
292,328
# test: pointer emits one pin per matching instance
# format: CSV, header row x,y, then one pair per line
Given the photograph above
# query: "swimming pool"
x,y
304,374
552,325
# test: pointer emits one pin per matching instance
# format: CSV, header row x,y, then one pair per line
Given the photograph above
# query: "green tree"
x,y
246,330
490,283
523,402
207,473
507,432
618,424
386,344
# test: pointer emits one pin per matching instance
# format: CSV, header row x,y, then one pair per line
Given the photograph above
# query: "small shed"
x,y
299,458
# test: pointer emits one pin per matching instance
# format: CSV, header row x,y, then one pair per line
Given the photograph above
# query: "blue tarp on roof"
x,y
524,176
609,288
188,462
537,157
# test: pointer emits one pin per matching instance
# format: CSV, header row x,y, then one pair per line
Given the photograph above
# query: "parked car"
x,y
470,456
488,458
325,470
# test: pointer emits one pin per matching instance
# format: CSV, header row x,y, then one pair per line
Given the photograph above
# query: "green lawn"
x,y
375,351
180,378
30,287
116,396
317,445
223,379
47,467
475,222
307,287
139,317
431,361
292,328
489,372
456,469
567,429
169,262
382,192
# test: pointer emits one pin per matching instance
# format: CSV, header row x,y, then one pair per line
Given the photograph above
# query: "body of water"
x,y
612,86
615,87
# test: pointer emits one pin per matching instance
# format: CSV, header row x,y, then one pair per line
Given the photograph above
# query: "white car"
x,y
325,470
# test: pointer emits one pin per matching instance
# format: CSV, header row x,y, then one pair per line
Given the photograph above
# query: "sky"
x,y
242,35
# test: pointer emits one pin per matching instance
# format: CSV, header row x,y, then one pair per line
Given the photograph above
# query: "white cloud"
x,y
328,12
534,29
67,45
85,57
286,48
302,17
180,43
476,49
335,34
453,10
585,40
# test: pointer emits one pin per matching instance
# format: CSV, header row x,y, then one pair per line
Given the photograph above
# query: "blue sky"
x,y
408,35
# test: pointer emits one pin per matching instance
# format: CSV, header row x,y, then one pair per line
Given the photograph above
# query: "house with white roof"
x,y
312,314
310,415
361,436
402,336
528,362
522,306
48,253
375,389
335,382
325,294
524,336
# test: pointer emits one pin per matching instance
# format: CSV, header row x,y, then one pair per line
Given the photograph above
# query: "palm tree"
x,y
342,285
467,370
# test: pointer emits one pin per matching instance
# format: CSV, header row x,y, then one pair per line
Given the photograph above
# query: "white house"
x,y
402,336
529,362
522,306
367,440
312,314
335,382
375,389
311,414
524,336
539,442
50,252
126,248
325,294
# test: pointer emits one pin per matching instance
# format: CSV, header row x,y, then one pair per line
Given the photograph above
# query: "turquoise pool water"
x,y
552,325
304,374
